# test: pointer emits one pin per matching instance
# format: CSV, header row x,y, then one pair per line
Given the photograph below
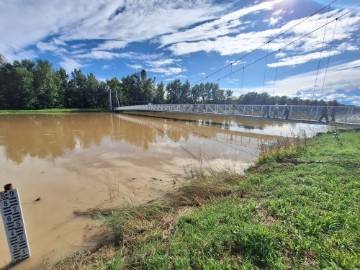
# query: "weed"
x,y
283,148
204,188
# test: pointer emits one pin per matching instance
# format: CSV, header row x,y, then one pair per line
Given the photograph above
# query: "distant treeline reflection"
x,y
51,135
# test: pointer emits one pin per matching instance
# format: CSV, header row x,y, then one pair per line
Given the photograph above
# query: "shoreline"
x,y
296,207
50,111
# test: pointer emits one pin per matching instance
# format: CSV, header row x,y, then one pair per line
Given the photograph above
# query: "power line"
x,y
307,34
274,38
276,71
267,52
318,67
328,60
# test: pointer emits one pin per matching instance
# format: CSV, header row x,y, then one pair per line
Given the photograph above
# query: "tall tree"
x,y
130,91
185,93
16,85
90,90
147,88
228,96
74,96
173,90
63,77
46,86
195,93
159,97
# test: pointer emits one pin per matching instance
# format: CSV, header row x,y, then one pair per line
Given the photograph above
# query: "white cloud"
x,y
70,64
29,22
19,55
53,46
346,27
275,17
174,78
100,55
57,41
118,23
225,45
222,26
168,71
344,77
304,58
111,55
274,20
112,44
162,62
228,62
135,66
162,65
42,46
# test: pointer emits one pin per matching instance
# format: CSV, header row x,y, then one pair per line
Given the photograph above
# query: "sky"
x,y
299,48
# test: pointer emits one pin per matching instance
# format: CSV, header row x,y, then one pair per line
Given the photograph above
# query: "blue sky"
x,y
191,39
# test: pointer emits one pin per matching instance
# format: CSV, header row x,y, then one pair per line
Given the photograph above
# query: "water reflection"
x,y
51,135
245,125
82,161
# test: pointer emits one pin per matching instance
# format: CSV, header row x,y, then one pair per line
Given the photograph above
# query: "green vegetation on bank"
x,y
29,85
49,111
297,208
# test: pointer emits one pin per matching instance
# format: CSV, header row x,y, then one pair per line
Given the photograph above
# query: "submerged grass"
x,y
297,208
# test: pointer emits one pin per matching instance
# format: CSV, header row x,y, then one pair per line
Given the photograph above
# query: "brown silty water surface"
x,y
79,161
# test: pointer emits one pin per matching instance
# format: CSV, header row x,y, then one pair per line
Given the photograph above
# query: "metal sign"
x,y
14,225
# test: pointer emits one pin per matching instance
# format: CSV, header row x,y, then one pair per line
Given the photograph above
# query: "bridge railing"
x,y
338,114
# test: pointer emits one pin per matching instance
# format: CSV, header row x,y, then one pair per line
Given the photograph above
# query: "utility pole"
x,y
110,99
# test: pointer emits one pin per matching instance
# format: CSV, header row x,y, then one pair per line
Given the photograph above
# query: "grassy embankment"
x,y
49,111
297,208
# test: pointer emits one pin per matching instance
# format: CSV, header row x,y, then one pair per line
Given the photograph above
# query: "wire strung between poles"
x,y
242,79
322,49
328,60
276,71
267,52
295,40
274,38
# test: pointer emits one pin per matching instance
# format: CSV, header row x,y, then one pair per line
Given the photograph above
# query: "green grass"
x,y
49,111
296,209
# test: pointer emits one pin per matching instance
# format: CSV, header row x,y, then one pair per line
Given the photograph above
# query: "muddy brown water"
x,y
75,162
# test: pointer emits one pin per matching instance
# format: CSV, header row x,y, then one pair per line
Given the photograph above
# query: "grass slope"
x,y
296,209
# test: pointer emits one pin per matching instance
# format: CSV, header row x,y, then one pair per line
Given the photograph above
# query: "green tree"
x,y
147,88
89,93
63,78
159,97
185,93
115,86
16,85
74,96
195,93
130,91
47,86
228,96
173,90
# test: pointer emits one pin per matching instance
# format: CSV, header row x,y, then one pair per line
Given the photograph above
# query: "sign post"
x,y
12,217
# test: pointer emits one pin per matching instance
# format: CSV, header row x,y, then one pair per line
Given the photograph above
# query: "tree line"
x,y
36,84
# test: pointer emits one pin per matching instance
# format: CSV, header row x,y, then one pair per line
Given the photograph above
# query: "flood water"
x,y
75,162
